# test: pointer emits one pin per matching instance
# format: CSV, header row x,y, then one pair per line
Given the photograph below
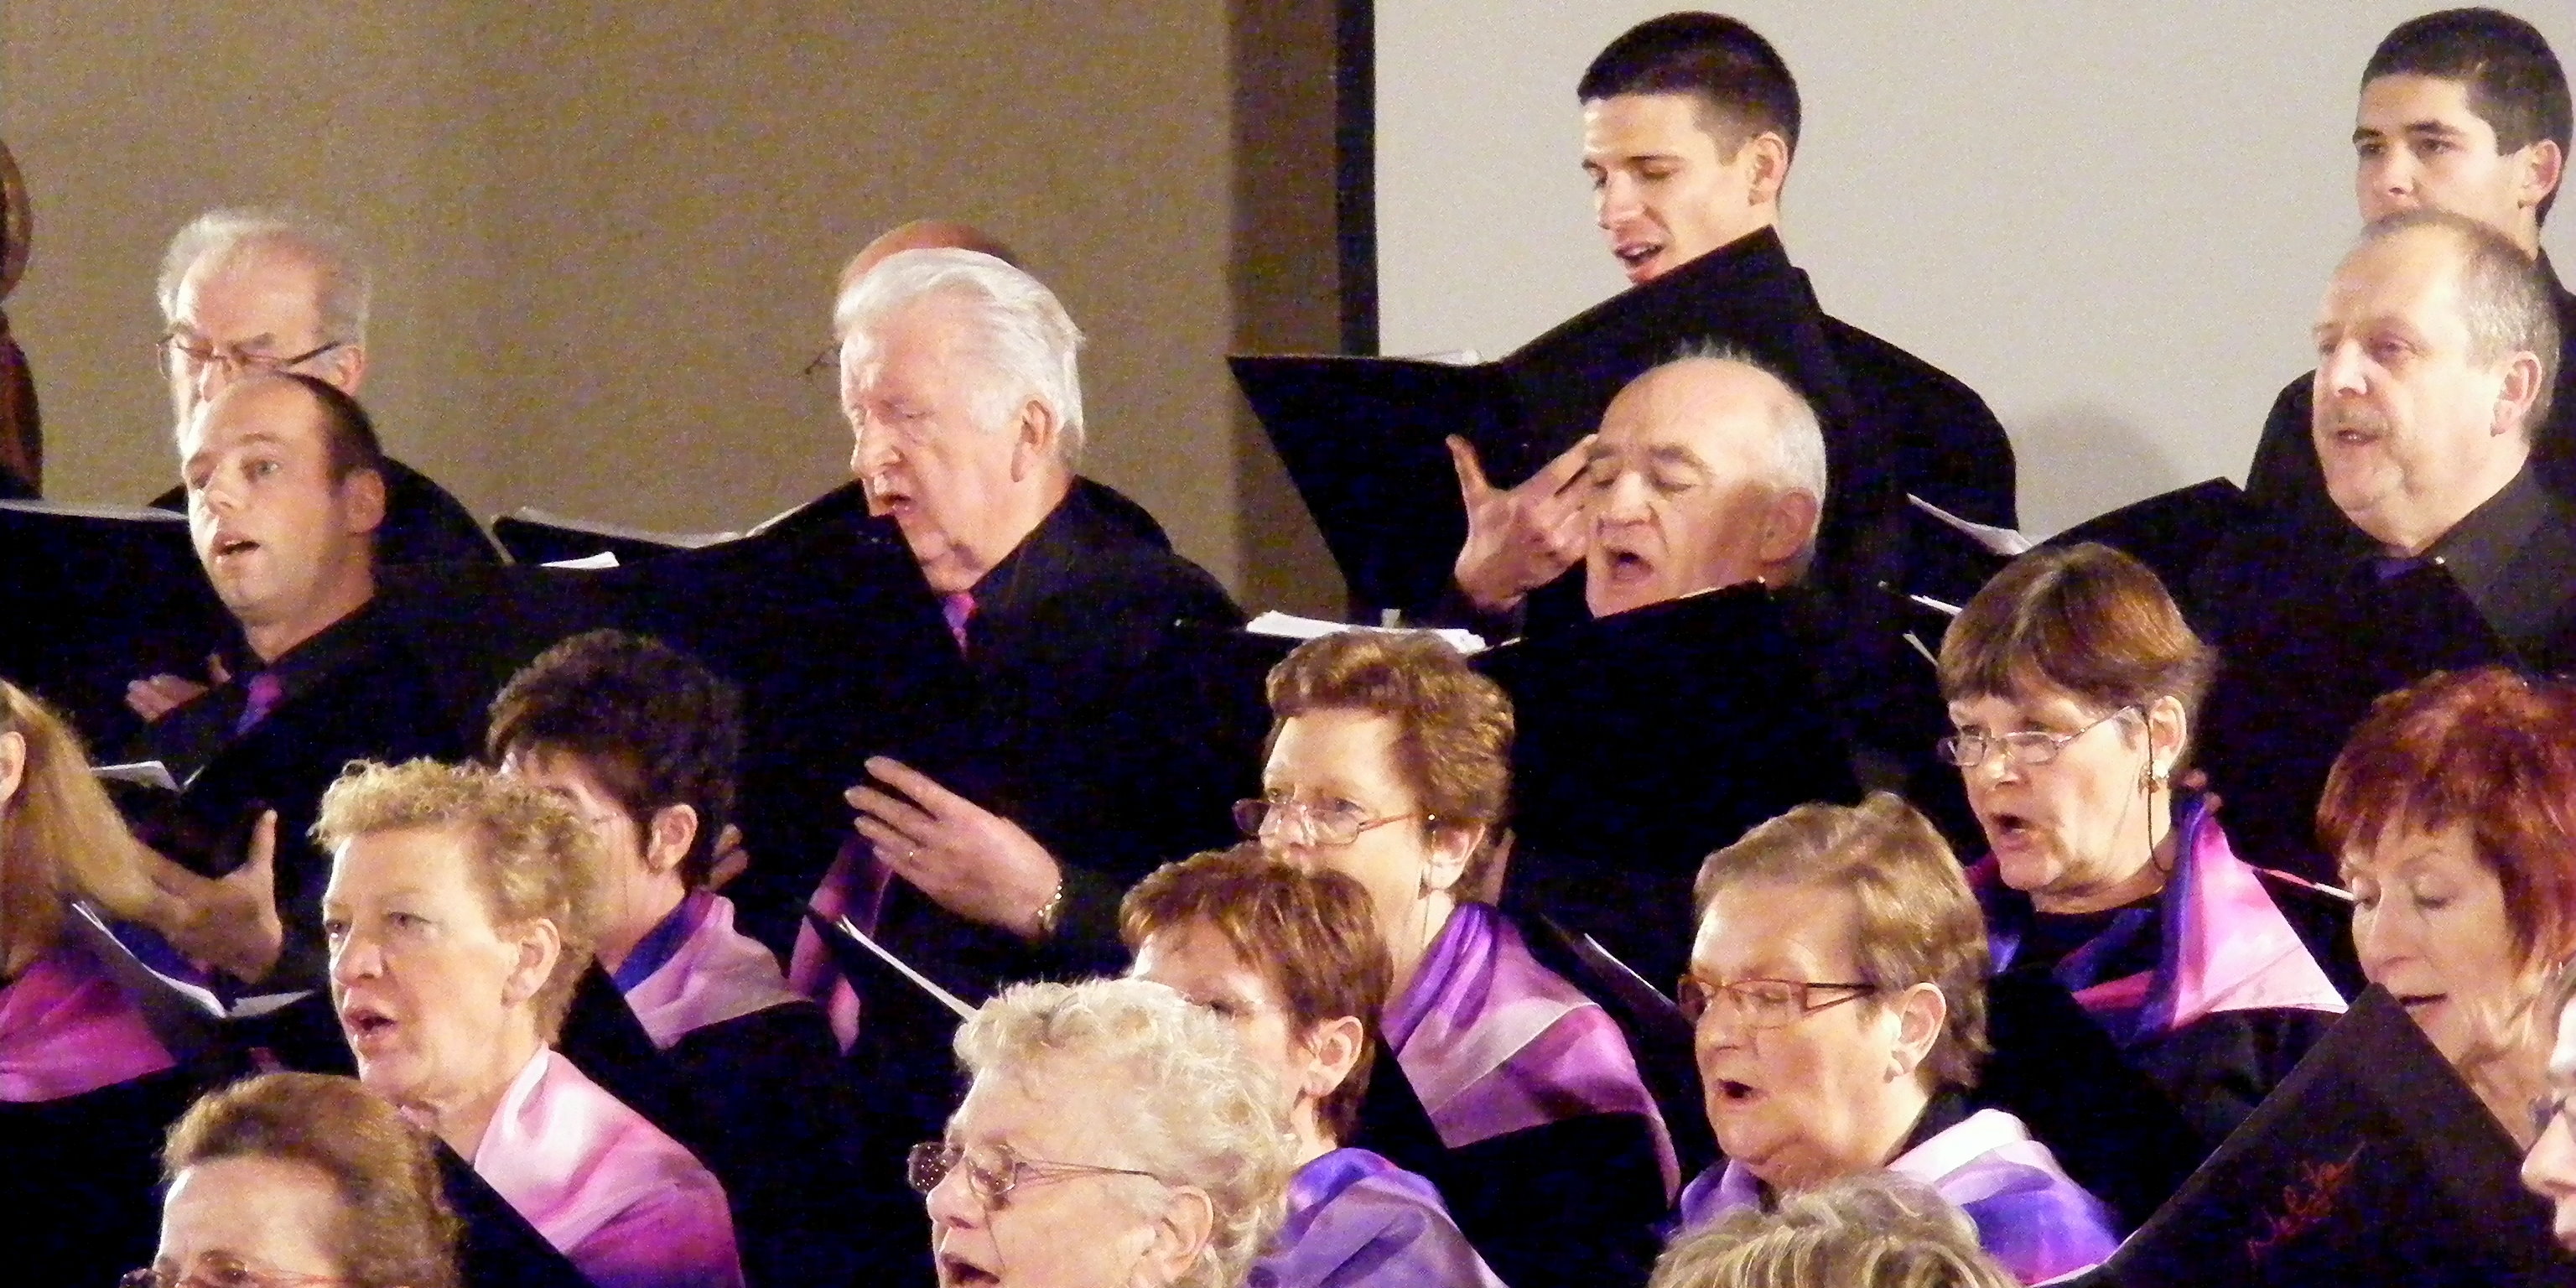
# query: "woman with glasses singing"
x,y
1291,960
297,1180
1389,762
1837,987
1113,1136
2073,682
2453,812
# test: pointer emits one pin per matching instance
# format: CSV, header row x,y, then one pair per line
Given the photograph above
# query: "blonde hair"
x,y
533,858
60,838
395,1228
1914,920
1188,1105
1873,1230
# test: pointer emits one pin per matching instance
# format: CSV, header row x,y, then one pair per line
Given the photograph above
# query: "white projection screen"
x,y
2114,220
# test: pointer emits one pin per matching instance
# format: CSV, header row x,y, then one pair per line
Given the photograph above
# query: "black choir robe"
x,y
2314,625
351,692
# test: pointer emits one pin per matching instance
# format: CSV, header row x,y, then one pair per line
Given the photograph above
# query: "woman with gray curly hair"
x,y
1115,1136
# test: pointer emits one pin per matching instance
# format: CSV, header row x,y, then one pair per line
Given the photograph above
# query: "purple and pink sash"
x,y
2225,945
2029,1214
1356,1220
629,1206
711,974
1493,1042
66,1029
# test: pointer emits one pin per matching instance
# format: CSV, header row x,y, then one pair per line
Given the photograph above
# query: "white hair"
x,y
1181,1098
1028,344
1796,459
229,235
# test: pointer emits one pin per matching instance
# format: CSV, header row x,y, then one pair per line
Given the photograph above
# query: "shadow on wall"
x,y
2071,456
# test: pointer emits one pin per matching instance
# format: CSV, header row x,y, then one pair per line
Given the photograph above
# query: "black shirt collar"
x,y
2479,548
300,668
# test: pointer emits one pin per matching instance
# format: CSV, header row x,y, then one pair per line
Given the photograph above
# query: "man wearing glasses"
x,y
248,292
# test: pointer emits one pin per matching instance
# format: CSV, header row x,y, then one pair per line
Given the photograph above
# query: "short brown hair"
x,y
395,1229
2086,619
1917,923
652,724
1453,740
533,857
60,838
1312,935
2487,750
1871,1230
2505,299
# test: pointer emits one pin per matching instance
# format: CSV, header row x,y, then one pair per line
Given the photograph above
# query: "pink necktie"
x,y
958,609
260,695
854,887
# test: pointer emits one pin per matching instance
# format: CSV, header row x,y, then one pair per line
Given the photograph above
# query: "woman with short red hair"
x,y
2453,812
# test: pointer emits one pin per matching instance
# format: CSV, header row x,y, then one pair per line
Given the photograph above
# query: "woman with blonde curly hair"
x,y
458,918
1114,1136
295,1177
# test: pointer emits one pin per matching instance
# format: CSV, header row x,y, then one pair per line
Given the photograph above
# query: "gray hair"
x,y
1873,1230
1796,459
1028,344
229,235
2504,297
1188,1105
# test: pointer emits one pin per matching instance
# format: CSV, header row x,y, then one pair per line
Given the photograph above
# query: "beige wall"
x,y
607,231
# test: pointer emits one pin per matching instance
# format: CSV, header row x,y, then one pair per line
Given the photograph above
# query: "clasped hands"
x,y
966,858
1519,538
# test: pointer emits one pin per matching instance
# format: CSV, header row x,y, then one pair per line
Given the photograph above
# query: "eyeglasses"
x,y
2021,746
1323,822
2548,1109
825,364
223,1270
1763,1003
195,358
931,1161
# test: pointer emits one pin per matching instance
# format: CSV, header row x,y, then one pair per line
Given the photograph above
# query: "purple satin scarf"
x,y
629,1206
65,1029
1356,1220
2029,1214
2225,947
707,972
1493,1042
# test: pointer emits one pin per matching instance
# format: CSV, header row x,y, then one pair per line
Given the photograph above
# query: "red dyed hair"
x,y
2487,750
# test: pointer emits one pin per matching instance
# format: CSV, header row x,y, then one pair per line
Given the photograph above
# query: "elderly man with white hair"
x,y
1091,764
1708,471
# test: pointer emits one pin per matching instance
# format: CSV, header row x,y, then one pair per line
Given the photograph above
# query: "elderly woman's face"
x,y
428,989
272,1218
2550,1169
2430,927
1342,762
1077,1227
1806,1101
2074,825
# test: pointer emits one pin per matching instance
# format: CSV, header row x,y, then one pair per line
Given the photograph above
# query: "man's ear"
x,y
2516,395
1332,1051
1788,525
1769,171
539,943
345,368
2544,167
1037,436
363,492
13,765
1920,1013
668,836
